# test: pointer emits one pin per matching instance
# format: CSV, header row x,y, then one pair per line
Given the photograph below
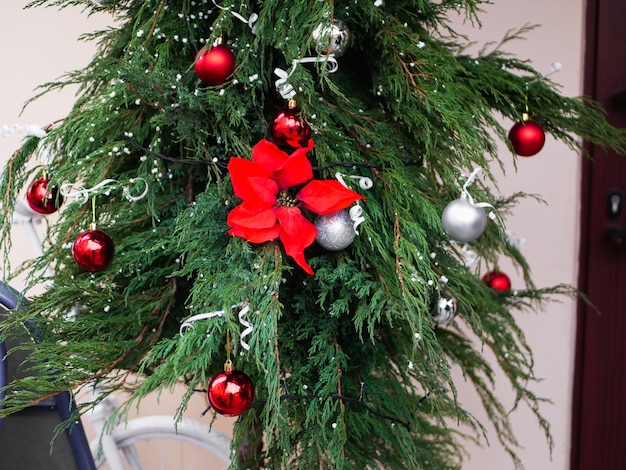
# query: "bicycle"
x,y
145,443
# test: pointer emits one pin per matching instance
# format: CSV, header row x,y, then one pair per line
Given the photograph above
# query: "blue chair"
x,y
26,436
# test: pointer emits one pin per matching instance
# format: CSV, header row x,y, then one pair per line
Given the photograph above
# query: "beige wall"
x,y
41,44
551,231
38,46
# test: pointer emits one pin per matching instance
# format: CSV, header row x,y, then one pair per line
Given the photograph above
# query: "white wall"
x,y
39,45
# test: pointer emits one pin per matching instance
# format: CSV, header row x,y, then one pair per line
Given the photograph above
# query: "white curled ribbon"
x,y
286,90
356,216
356,211
465,194
248,327
364,181
76,191
470,179
189,324
140,196
250,21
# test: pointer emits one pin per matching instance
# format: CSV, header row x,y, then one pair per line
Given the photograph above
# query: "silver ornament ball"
x,y
463,221
331,38
335,231
444,310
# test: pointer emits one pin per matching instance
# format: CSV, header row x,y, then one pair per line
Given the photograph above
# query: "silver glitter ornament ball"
x,y
463,221
331,38
444,310
335,231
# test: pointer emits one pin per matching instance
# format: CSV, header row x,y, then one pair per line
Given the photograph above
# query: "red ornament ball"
x,y
288,128
498,281
41,198
231,393
215,64
93,250
527,138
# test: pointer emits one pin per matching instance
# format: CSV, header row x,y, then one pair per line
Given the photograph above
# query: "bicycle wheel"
x,y
158,443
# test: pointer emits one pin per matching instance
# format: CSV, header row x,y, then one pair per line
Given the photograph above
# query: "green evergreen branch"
x,y
409,106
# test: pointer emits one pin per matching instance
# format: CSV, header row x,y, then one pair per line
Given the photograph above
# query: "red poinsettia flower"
x,y
268,210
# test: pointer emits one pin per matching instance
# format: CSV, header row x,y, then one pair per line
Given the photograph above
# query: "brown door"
x,y
599,414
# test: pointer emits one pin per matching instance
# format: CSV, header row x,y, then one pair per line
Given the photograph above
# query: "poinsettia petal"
x,y
255,221
304,150
296,234
268,155
264,189
256,235
326,196
294,171
251,181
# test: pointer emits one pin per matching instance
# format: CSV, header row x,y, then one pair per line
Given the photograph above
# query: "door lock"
x,y
614,204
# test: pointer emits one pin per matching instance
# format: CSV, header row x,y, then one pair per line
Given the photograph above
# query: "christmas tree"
x,y
300,190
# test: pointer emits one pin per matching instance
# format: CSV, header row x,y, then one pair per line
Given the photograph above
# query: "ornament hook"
x,y
92,226
228,365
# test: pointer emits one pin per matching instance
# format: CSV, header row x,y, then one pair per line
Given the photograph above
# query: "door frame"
x,y
592,220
